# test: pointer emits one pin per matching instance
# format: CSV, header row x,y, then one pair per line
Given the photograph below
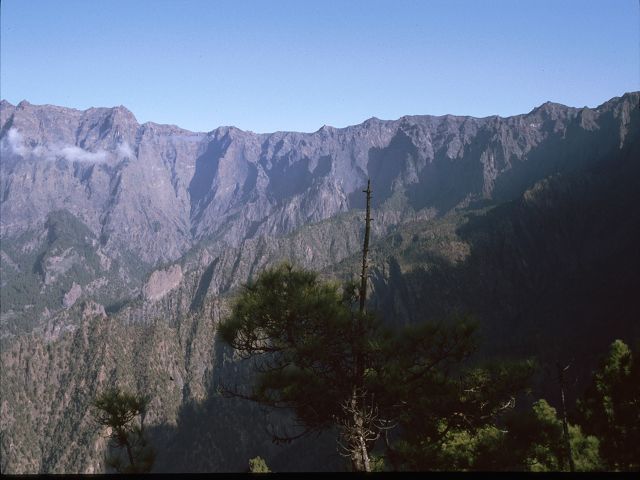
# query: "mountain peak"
x,y
546,106
122,112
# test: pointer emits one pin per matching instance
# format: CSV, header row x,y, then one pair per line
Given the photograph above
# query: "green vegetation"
x,y
38,270
122,415
258,465
306,340
450,419
530,440
416,404
610,408
300,333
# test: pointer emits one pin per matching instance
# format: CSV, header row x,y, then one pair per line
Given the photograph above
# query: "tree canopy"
x,y
299,333
306,339
610,407
122,415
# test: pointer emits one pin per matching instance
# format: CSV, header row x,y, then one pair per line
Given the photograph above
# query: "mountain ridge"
x,y
6,104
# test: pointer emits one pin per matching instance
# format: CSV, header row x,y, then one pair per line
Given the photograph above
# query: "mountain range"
x,y
122,243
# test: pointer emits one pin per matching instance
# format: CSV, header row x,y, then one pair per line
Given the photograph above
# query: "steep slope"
x,y
162,343
551,275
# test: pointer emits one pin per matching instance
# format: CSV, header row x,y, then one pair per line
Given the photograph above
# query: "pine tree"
x,y
610,408
536,442
317,351
122,416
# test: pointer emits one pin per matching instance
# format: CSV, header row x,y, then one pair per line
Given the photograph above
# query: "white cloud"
x,y
77,154
124,151
13,143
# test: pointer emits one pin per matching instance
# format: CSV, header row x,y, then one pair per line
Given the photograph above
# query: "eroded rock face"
x,y
72,295
162,282
156,190
93,309
56,266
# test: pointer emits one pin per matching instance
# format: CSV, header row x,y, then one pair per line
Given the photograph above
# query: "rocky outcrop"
x,y
162,282
72,295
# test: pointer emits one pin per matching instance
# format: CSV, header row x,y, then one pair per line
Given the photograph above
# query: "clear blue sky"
x,y
298,64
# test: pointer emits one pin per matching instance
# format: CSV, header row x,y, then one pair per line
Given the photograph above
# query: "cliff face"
x,y
121,243
134,197
155,190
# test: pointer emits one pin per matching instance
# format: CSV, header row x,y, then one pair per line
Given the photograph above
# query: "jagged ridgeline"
x,y
121,245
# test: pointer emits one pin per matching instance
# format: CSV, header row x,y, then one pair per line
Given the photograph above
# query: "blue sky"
x,y
298,64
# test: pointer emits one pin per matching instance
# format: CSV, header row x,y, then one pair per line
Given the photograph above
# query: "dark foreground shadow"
x,y
221,434
552,275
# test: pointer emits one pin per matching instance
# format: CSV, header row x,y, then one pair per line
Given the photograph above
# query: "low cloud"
x,y
77,154
124,151
13,143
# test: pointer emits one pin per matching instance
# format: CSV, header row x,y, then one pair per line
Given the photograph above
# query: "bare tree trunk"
x,y
129,453
365,249
358,448
358,437
565,426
